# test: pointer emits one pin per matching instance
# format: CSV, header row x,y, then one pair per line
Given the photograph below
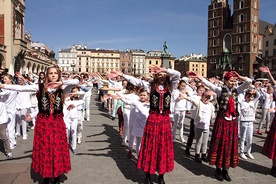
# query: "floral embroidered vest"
x,y
48,103
160,101
223,101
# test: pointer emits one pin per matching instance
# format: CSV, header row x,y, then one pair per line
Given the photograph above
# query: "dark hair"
x,y
130,88
180,82
200,86
142,90
155,82
75,87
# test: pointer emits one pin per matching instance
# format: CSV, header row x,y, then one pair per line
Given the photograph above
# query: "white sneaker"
x,y
182,139
12,146
32,127
249,155
24,137
17,134
242,155
9,156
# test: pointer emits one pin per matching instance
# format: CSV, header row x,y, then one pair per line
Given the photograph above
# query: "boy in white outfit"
x,y
71,115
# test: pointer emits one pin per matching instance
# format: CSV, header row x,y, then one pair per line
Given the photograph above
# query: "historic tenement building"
x,y
17,51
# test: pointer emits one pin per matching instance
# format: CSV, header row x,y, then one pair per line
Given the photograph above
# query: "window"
x,y
86,58
79,58
67,61
214,14
240,29
274,52
241,17
266,53
86,69
80,63
255,4
241,5
274,41
86,63
240,39
214,42
215,33
156,62
241,67
150,62
79,69
266,43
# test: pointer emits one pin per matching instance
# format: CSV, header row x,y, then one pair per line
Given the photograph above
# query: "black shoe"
x,y
273,171
204,158
225,175
113,118
187,152
218,174
161,179
197,159
148,179
46,180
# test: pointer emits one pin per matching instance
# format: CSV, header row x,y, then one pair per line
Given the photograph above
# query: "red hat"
x,y
228,75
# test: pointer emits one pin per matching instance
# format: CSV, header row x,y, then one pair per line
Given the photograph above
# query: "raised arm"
x,y
23,88
266,70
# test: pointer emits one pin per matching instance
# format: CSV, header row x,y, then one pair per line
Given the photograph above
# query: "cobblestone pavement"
x,y
102,159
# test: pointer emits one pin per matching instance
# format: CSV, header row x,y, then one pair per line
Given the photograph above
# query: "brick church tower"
x,y
233,39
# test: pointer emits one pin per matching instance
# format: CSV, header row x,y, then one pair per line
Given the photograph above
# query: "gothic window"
x,y
241,4
241,18
214,14
214,42
255,4
254,18
227,42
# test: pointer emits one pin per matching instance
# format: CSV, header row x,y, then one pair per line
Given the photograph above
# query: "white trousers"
x,y
11,129
246,135
179,117
20,118
71,129
86,112
34,110
80,125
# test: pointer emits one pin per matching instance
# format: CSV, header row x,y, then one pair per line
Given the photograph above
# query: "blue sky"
x,y
125,24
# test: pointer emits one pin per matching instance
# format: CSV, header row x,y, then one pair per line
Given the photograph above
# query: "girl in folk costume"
x,y
269,148
157,151
51,156
179,110
223,150
9,96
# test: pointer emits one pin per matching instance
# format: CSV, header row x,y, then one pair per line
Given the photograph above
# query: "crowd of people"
x,y
150,109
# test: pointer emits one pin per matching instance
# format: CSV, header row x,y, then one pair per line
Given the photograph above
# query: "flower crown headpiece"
x,y
54,66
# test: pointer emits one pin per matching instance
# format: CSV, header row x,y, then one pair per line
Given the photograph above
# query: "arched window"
x,y
255,4
241,4
227,42
241,17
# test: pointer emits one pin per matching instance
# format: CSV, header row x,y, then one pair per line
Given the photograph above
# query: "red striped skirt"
x,y
51,156
223,150
157,150
269,148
